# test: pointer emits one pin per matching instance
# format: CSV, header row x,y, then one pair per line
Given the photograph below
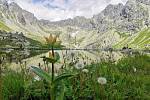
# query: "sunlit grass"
x,y
136,41
4,27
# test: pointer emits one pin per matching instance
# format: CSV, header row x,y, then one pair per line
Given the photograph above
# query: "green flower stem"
x,y
101,91
53,72
0,81
48,70
52,96
53,65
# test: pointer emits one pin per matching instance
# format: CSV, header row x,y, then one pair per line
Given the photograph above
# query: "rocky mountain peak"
x,y
14,7
3,1
30,17
113,11
3,5
22,15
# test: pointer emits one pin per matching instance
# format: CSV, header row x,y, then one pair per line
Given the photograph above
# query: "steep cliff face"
x,y
17,19
112,25
128,18
129,21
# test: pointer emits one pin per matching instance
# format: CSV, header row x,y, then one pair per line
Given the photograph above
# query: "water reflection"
x,y
29,57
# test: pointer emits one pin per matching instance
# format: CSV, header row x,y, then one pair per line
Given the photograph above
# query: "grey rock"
x,y
21,19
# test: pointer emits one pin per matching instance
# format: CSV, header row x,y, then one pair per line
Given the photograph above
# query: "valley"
x,y
103,57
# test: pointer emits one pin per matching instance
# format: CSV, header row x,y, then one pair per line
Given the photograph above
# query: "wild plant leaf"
x,y
57,44
51,60
44,58
61,92
62,76
57,57
41,74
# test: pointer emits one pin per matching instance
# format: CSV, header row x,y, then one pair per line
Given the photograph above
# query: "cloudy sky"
x,y
55,10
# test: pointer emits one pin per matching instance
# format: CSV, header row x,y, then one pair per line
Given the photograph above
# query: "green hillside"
x,y
140,40
4,27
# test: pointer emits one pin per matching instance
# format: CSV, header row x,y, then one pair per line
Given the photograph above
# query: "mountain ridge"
x,y
114,21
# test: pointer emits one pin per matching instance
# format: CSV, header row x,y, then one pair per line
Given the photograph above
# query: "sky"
x,y
55,10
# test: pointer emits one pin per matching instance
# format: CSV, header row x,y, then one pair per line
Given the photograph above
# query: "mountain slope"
x,y
115,25
4,27
142,40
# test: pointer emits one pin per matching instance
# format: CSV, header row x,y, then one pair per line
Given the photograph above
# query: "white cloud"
x,y
60,9
117,1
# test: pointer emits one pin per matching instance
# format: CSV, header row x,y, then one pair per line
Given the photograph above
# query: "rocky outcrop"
x,y
124,18
17,39
22,16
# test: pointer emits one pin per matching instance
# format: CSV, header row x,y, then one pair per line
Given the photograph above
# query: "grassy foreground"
x,y
128,79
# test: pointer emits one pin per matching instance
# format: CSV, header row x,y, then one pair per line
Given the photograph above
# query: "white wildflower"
x,y
79,66
102,80
134,69
85,70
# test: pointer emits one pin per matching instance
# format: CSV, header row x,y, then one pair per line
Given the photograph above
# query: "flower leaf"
x,y
61,92
51,60
62,76
57,57
41,74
